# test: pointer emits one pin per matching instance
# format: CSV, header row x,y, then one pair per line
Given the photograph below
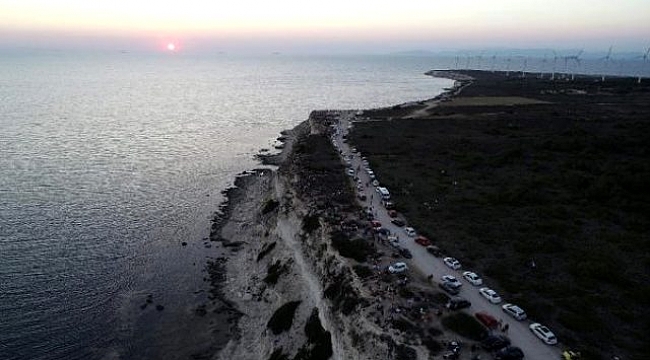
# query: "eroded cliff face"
x,y
299,299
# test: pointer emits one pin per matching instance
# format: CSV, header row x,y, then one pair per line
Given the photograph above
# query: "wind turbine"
x,y
456,66
606,58
467,62
645,61
523,68
494,58
554,64
575,58
541,70
508,66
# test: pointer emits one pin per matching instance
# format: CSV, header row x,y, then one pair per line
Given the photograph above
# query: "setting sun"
x,y
171,47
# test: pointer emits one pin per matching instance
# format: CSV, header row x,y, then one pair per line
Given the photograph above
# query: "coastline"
x,y
360,311
281,228
278,227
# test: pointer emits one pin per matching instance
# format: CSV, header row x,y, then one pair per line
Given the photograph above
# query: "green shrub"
x,y
310,223
270,205
282,318
279,355
274,272
362,271
464,325
357,249
265,250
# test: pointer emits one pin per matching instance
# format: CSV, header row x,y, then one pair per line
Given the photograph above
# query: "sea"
x,y
111,161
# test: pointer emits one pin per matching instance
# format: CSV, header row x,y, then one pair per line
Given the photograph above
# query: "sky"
x,y
325,25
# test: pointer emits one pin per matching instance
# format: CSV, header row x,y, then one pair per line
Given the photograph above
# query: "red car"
x,y
422,241
488,320
375,224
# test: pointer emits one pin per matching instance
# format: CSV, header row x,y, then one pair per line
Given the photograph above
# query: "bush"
x,y
274,272
278,355
404,352
464,325
265,250
432,345
270,205
362,271
310,223
357,249
319,339
282,319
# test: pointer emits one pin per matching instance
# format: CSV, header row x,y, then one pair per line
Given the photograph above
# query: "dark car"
x,y
449,288
398,222
406,253
383,231
495,342
434,250
457,303
389,205
509,353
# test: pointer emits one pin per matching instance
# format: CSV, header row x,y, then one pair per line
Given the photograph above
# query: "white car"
x,y
543,333
397,268
451,280
490,294
350,172
451,262
514,311
472,278
410,231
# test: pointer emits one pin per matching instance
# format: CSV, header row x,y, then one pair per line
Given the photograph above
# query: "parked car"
x,y
389,205
490,294
488,320
350,172
422,241
397,268
495,342
452,263
452,280
398,222
448,288
509,353
394,241
472,278
362,197
457,303
543,333
514,311
434,250
383,231
410,231
405,253
375,224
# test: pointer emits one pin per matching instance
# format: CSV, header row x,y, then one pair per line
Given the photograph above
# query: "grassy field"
x,y
548,200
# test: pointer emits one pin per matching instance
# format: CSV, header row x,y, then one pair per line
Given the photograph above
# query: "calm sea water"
x,y
110,161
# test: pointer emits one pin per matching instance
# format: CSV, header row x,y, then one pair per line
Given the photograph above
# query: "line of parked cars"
x,y
451,285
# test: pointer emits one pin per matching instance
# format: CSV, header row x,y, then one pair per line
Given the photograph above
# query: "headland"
x,y
533,183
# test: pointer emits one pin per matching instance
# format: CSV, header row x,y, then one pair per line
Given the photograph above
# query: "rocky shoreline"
x,y
293,284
